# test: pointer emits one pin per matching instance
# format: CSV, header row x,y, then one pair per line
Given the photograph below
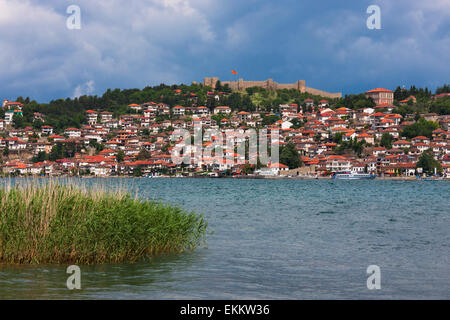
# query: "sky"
x,y
131,44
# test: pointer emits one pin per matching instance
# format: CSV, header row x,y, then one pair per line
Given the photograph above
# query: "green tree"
x,y
296,123
98,146
70,148
444,89
218,86
441,106
58,152
386,140
354,145
143,155
269,120
226,88
40,157
248,169
137,172
120,156
290,157
421,128
428,163
338,137
18,122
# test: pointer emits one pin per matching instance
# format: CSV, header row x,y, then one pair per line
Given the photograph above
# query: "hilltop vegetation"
x,y
70,112
65,113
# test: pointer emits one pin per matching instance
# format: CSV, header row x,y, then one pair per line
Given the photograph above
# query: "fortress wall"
x,y
288,86
299,85
323,93
270,85
242,85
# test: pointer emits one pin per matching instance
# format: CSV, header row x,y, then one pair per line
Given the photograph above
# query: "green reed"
x,y
54,222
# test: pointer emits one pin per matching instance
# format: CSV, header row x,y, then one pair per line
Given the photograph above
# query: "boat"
x,y
353,176
432,178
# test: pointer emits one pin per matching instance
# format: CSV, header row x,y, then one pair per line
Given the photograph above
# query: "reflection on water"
x,y
49,281
276,239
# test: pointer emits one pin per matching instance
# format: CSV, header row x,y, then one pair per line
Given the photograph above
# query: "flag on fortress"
x,y
233,72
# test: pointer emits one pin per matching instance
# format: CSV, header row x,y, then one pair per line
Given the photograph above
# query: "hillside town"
x,y
325,138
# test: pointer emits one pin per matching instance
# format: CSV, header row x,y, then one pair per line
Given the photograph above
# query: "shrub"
x,y
54,222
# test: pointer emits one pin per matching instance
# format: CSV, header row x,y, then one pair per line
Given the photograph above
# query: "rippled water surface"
x,y
278,239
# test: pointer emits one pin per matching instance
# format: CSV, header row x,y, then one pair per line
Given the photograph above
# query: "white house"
x,y
179,110
273,169
223,109
73,132
48,130
9,116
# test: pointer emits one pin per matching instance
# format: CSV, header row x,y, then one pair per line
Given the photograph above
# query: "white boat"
x,y
353,176
432,178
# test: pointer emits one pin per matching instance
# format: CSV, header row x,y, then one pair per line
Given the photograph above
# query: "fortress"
x,y
270,85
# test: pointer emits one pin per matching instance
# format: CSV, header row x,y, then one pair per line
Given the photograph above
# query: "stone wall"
x,y
322,93
269,84
302,171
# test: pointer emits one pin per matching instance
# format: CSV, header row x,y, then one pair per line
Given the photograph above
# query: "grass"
x,y
55,222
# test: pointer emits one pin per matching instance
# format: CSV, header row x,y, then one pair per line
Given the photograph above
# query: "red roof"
x,y
378,90
277,165
364,135
401,142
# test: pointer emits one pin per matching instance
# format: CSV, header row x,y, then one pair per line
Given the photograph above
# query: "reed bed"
x,y
59,222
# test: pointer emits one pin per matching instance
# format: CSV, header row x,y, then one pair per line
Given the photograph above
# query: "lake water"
x,y
278,239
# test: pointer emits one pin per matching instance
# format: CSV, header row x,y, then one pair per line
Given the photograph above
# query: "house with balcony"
x,y
380,96
179,111
222,109
73,132
47,130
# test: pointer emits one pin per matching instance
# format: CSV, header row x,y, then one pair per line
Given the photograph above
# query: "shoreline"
x,y
231,177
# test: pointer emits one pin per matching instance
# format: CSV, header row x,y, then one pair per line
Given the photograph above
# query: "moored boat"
x,y
432,178
353,176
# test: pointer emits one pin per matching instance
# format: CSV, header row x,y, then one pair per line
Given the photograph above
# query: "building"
x,y
222,109
272,170
405,102
91,117
12,105
179,110
9,117
105,116
243,116
73,132
381,96
47,130
337,163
